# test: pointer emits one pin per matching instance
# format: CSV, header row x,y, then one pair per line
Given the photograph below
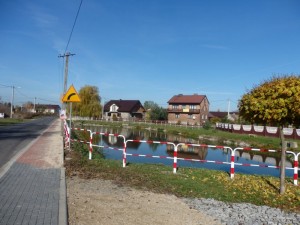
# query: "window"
x,y
113,108
192,107
190,116
177,115
174,106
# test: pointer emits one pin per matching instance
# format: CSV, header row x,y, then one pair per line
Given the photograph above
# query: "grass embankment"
x,y
205,136
187,182
8,121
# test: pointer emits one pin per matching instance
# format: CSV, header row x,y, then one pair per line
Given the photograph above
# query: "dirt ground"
x,y
97,201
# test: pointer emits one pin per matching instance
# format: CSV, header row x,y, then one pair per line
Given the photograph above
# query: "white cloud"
x,y
41,18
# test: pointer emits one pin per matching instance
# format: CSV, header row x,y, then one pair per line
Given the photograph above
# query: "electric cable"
x,y
73,27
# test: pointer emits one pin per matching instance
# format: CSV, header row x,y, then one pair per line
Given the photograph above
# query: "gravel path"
x,y
243,213
102,202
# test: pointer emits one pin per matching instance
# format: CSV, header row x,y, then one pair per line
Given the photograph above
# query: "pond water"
x,y
114,146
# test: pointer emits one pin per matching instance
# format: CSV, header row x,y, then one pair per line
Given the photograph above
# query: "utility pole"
x,y
34,104
67,54
12,100
228,109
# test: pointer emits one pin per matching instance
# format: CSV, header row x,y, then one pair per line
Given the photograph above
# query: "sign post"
x,y
71,96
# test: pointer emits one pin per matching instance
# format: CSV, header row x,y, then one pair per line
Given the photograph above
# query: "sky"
x,y
146,50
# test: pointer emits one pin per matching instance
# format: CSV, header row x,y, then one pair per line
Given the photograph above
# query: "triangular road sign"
x,y
71,95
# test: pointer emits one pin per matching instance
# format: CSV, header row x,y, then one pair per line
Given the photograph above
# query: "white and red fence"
x,y
175,157
291,133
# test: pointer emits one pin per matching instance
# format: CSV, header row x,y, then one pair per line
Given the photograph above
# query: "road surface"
x,y
14,138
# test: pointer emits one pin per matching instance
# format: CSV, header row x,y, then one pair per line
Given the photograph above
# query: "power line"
x,y
67,54
30,97
73,27
22,94
6,85
46,100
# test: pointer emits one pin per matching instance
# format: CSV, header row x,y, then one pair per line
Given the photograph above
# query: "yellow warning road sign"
x,y
71,95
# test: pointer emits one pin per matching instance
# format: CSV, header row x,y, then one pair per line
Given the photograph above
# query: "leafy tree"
x,y
274,102
155,112
159,114
5,108
150,105
90,105
28,105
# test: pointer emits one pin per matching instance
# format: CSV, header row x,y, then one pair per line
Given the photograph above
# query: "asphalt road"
x,y
14,138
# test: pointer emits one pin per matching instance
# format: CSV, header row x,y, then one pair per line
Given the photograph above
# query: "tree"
x,y
28,106
5,108
155,112
150,105
90,105
274,102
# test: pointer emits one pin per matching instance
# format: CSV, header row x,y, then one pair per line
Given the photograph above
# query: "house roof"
x,y
56,107
124,105
222,114
218,114
187,99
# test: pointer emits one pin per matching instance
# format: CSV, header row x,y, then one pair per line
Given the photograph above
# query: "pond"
x,y
188,156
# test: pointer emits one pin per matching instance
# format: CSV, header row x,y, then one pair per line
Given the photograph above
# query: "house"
x,y
46,109
124,110
188,109
219,116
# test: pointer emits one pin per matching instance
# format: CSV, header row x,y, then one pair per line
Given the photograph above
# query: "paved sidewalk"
x,y
33,190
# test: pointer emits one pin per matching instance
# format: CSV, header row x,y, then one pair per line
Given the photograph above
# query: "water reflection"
x,y
187,152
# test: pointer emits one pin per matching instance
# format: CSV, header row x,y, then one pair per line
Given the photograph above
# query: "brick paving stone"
x,y
36,192
30,189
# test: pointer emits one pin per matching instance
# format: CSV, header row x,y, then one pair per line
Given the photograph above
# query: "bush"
x,y
207,125
115,118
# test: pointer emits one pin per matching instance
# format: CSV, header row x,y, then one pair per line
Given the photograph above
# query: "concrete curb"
x,y
63,206
63,209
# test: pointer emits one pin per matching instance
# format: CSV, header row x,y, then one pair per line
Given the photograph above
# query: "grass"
x,y
207,136
187,182
9,121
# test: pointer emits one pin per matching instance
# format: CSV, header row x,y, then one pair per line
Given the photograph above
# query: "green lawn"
x,y
187,182
9,121
218,136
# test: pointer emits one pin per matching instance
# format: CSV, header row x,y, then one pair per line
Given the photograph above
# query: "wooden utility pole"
x,y
66,73
12,101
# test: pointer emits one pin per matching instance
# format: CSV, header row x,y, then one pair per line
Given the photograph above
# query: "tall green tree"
x,y
90,105
274,102
154,111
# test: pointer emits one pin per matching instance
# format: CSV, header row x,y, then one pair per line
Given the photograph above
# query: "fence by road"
x,y
175,146
291,133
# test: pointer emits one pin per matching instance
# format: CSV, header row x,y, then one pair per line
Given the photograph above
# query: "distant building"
x,y
188,109
46,109
232,116
124,110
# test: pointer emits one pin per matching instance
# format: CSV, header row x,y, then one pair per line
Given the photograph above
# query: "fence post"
x,y
175,159
296,165
67,135
124,153
232,164
91,145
